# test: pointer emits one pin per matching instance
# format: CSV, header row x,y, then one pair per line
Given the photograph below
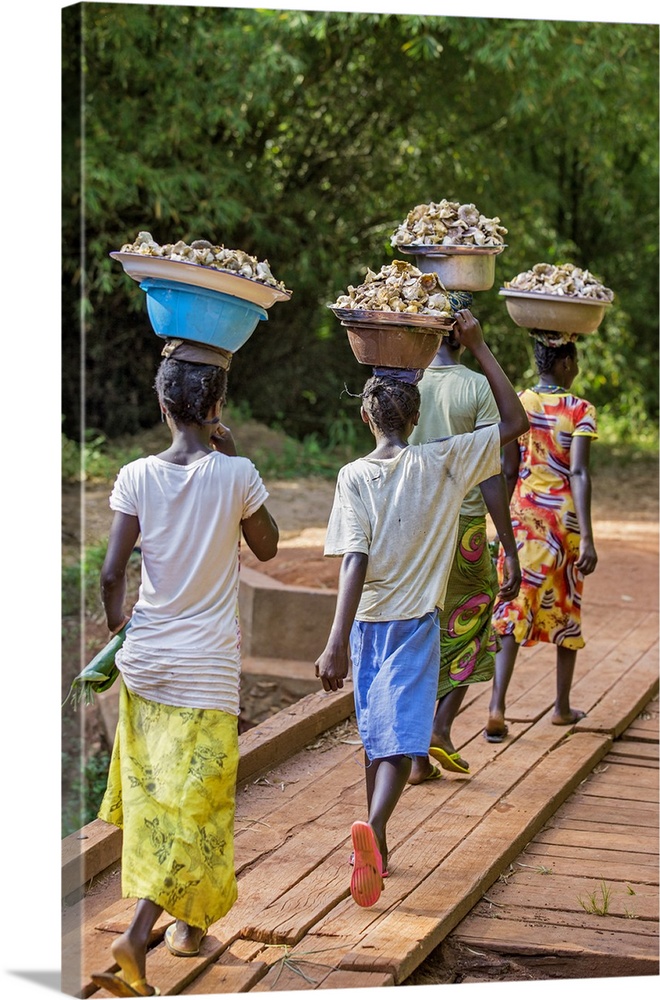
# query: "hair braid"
x,y
188,390
389,403
546,357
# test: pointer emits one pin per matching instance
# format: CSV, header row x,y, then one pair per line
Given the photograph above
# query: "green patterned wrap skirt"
x,y
172,790
468,642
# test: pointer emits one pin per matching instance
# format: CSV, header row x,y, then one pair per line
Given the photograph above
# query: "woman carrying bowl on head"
x,y
172,777
549,482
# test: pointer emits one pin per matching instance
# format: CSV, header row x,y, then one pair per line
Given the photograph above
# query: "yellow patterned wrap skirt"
x,y
172,790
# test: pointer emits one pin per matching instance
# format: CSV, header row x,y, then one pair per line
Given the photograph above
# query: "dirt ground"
x,y
624,506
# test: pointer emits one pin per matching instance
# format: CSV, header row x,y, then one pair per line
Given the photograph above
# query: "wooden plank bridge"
x,y
547,854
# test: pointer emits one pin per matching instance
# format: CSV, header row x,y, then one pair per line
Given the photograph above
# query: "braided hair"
x,y
546,357
389,402
188,390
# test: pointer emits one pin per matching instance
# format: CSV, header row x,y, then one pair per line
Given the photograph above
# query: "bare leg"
x,y
130,949
386,779
505,661
563,714
447,710
445,713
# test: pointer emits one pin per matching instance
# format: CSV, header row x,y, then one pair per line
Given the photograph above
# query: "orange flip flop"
x,y
367,877
351,861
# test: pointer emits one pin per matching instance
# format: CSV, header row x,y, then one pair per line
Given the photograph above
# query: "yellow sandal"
x,y
121,988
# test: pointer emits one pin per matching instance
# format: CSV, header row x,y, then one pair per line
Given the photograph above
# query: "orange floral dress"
x,y
545,525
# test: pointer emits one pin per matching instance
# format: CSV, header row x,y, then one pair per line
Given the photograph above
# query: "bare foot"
x,y
568,720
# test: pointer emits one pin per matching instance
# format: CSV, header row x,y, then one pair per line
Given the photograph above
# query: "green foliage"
x,y
87,783
598,901
305,138
80,582
95,461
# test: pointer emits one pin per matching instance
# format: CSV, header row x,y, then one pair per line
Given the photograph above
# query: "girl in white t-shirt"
x,y
394,522
172,778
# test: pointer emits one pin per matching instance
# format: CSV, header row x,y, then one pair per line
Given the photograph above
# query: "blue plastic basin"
x,y
188,312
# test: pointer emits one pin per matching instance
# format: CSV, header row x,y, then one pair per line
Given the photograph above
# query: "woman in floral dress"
x,y
547,472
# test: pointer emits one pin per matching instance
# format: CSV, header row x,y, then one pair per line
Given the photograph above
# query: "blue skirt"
x,y
395,680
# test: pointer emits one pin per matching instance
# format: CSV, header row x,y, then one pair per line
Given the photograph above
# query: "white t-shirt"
x,y
455,400
183,645
403,512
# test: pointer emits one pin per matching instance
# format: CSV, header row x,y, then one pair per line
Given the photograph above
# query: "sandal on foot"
x,y
433,775
367,877
351,861
121,988
497,736
450,761
576,715
179,952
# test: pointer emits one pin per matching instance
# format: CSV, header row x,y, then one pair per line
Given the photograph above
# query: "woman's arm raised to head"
x,y
513,420
511,466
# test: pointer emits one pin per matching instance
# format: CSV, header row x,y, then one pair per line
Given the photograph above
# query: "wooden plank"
x,y
645,870
316,961
285,868
645,726
620,658
636,753
594,809
87,852
295,849
604,840
639,735
563,894
625,776
406,936
636,760
623,702
230,974
275,816
172,974
285,978
626,798
539,698
283,734
626,927
618,870
287,919
436,810
629,951
429,806
341,979
103,893
589,826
